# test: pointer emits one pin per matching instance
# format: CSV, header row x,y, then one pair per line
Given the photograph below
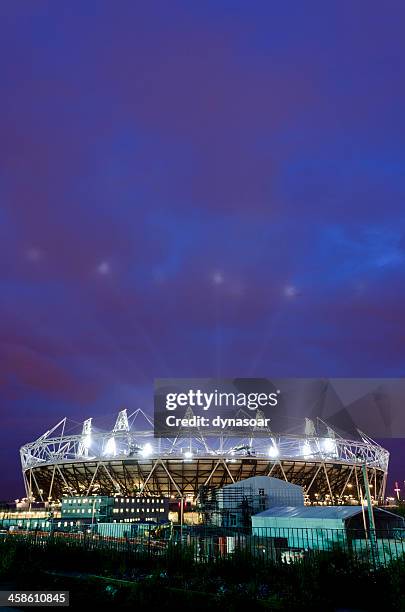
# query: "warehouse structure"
x,y
233,505
308,528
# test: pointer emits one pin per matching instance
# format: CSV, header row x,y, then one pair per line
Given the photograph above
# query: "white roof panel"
x,y
308,512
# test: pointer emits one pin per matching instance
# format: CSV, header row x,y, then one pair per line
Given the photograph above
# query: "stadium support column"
x,y
30,488
26,486
373,540
361,500
51,486
384,485
368,496
181,519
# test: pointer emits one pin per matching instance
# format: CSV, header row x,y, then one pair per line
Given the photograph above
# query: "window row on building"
x,y
81,501
122,510
138,500
134,520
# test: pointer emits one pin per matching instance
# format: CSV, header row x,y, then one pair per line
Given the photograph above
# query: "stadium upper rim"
x,y
126,440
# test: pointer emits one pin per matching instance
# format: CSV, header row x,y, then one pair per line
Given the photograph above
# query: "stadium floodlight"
x,y
188,454
273,451
147,450
329,445
110,448
306,449
85,441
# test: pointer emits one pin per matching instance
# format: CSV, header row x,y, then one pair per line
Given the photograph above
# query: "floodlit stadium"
x,y
128,460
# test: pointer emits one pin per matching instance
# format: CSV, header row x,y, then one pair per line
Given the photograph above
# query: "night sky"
x,y
195,189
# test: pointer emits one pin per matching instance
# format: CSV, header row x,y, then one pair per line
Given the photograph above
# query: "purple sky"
x,y
195,189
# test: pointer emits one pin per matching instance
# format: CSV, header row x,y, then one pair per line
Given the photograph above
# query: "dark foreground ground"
x,y
333,581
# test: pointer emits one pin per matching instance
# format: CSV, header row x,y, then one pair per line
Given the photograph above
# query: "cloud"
x,y
196,190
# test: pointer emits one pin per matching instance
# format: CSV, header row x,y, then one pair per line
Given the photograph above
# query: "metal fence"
x,y
203,544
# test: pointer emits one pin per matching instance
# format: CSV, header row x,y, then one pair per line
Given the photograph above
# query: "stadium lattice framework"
x,y
128,460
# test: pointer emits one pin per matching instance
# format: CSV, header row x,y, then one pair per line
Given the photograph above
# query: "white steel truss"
x,y
60,462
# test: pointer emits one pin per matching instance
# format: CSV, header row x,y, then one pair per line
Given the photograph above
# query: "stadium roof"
x,y
275,483
309,512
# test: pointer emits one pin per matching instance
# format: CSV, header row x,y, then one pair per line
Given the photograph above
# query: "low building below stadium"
x,y
114,509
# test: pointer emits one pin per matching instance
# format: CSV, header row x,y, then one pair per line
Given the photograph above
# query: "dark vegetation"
x,y
326,581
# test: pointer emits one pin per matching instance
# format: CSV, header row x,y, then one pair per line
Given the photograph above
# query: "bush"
x,y
322,581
